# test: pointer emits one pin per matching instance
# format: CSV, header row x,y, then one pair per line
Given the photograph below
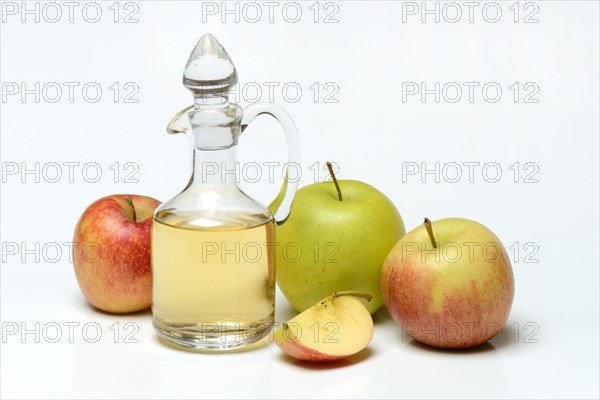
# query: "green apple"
x,y
334,328
336,239
449,283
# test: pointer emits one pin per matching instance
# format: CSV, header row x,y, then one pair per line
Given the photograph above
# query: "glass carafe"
x,y
213,259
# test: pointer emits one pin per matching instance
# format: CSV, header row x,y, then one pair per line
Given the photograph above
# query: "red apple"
x,y
449,283
111,252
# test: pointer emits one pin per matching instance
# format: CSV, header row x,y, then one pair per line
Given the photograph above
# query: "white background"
x,y
550,345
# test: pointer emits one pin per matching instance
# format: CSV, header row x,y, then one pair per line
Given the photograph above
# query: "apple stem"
x,y
130,202
337,186
429,229
362,295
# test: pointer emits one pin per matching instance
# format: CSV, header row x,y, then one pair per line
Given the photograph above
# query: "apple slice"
x,y
336,327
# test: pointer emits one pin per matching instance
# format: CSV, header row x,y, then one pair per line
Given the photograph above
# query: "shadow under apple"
x,y
318,366
482,348
503,339
146,312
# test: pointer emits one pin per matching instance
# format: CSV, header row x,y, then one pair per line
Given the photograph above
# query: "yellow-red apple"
x,y
334,328
111,252
449,283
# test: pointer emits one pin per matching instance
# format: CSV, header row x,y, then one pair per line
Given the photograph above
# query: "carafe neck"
x,y
212,168
214,126
213,131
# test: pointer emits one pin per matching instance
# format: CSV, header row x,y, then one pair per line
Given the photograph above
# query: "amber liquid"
x,y
213,287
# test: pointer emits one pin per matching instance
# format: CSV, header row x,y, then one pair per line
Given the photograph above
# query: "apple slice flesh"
x,y
334,328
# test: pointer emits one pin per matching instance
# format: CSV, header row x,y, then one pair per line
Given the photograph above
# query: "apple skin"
x,y
353,237
302,352
111,253
455,301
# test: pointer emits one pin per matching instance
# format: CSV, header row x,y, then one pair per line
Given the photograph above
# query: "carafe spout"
x,y
180,123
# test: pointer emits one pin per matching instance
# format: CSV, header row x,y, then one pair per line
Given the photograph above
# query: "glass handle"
x,y
281,206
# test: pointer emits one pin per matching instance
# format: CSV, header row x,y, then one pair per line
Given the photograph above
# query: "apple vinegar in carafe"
x,y
213,286
213,266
